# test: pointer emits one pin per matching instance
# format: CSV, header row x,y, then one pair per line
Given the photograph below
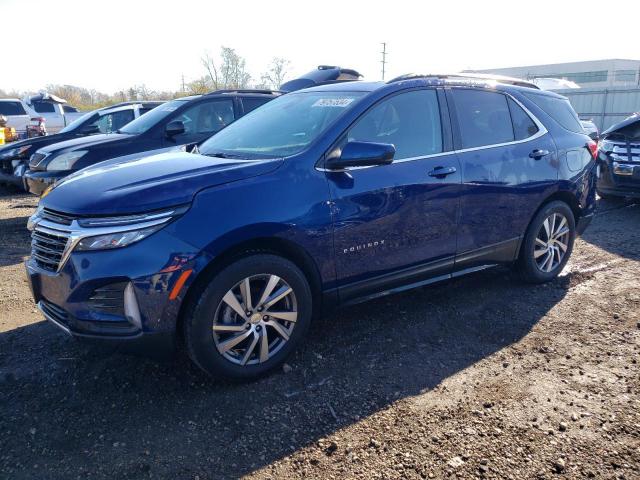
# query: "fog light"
x,y
131,309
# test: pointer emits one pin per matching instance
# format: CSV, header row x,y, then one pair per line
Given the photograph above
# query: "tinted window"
x,y
87,117
114,121
251,103
145,122
410,121
559,109
142,111
207,117
523,125
483,117
11,108
282,127
44,107
69,109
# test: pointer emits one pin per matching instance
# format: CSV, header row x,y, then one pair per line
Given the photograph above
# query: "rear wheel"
x,y
548,243
249,318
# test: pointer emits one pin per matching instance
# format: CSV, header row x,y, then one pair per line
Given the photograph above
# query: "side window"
x,y
207,117
523,125
44,107
69,109
111,122
144,110
410,121
11,108
559,109
483,117
251,103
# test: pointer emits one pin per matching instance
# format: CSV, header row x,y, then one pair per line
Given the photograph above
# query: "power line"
x,y
384,58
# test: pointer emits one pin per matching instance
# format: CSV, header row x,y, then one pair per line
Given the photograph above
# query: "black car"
x,y
619,159
14,157
184,121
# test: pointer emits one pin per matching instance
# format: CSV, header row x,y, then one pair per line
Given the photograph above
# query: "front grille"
x,y
626,152
35,159
47,248
57,217
109,299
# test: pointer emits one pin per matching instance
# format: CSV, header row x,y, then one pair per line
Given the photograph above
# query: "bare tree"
x,y
229,72
277,72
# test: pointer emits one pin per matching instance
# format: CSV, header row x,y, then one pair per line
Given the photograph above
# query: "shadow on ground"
x,y
72,409
15,240
616,215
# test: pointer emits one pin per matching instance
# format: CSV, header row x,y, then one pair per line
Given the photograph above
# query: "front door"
x,y
396,224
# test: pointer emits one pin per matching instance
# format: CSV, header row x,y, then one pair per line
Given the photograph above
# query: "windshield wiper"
x,y
221,155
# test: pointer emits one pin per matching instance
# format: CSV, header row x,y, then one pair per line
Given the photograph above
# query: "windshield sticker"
x,y
332,102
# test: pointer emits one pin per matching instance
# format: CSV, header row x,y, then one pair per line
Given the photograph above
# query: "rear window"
x,y
11,108
559,109
44,107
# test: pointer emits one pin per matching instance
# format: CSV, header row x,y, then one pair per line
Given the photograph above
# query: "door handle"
x,y
537,154
442,172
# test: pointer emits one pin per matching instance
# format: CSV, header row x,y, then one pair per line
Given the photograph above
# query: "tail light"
x,y
593,148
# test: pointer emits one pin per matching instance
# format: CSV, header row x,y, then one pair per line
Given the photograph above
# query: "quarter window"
x,y
523,125
251,103
410,121
559,109
483,117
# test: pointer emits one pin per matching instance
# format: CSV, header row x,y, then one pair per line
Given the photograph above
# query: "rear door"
x,y
396,224
509,165
52,113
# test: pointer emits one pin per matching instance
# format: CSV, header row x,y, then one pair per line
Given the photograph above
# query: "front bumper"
x,y
612,182
37,182
150,268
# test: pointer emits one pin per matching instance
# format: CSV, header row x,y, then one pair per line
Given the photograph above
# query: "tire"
x,y
208,323
539,263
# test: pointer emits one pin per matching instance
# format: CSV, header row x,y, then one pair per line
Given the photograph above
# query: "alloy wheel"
x,y
255,319
552,242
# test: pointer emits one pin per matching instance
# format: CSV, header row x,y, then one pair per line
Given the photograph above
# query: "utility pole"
x,y
183,83
384,58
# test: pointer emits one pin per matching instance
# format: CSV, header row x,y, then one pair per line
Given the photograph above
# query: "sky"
x,y
111,45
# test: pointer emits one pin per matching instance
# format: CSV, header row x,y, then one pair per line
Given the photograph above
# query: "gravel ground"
x,y
481,377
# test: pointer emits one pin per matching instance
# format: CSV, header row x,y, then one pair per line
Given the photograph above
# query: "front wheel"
x,y
548,243
249,318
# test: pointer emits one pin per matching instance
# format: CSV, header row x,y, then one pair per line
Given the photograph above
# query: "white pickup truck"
x,y
53,109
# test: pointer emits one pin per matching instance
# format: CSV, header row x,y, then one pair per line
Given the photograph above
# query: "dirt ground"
x,y
481,377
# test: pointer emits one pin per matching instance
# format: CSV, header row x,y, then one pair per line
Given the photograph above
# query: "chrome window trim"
x,y
542,130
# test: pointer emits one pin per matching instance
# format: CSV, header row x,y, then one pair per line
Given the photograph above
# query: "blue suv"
x,y
321,197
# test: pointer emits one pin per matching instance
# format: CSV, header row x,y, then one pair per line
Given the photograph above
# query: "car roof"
x,y
10,100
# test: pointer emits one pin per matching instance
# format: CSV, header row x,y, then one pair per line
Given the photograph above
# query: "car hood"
x,y
148,183
628,129
36,142
84,142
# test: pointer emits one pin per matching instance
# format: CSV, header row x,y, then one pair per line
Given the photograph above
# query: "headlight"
x,y
65,161
117,232
116,240
15,152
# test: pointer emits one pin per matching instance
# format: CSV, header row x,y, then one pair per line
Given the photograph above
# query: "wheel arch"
x,y
270,245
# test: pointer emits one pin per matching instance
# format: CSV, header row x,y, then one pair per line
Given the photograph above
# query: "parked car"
x,y
184,121
322,75
26,121
591,129
53,109
14,157
619,159
321,197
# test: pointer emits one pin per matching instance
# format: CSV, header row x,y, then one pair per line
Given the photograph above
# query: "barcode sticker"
x,y
332,102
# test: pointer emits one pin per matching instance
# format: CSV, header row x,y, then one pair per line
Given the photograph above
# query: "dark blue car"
x,y
326,196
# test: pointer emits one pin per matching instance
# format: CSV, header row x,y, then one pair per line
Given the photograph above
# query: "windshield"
x,y
78,122
148,120
283,127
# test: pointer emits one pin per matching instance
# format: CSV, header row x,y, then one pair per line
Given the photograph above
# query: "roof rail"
x,y
244,90
470,76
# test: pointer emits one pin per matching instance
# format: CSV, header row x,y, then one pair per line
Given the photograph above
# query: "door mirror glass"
x,y
362,154
174,128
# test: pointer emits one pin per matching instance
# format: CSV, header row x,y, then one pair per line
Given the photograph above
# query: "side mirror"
x,y
90,129
362,154
174,128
